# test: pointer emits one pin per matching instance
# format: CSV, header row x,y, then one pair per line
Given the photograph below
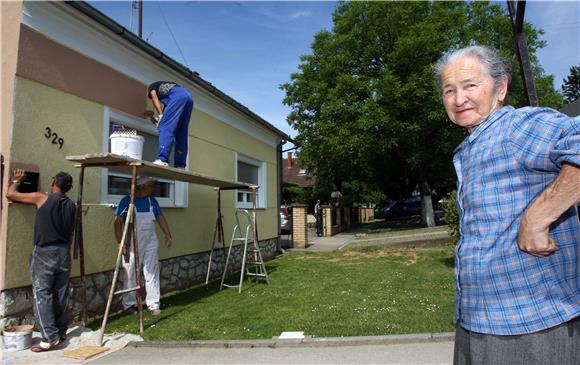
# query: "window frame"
x,y
261,202
178,197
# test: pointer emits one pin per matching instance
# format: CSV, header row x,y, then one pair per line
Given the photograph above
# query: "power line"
x,y
172,36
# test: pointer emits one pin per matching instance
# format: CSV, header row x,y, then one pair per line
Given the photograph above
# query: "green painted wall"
x,y
79,122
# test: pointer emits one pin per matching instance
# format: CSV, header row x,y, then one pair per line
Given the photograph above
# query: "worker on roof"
x,y
172,122
147,211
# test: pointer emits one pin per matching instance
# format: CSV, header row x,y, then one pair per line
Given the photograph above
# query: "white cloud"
x,y
300,14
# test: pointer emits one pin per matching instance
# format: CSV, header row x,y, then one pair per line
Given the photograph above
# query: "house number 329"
x,y
53,137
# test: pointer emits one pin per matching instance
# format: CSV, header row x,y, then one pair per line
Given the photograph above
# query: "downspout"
x,y
279,192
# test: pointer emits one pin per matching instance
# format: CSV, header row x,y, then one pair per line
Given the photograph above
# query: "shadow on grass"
x,y
448,261
179,299
195,294
202,291
379,226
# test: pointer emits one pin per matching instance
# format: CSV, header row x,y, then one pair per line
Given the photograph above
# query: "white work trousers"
x,y
148,257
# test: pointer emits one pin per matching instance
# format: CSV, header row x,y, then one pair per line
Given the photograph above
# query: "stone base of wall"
x,y
176,273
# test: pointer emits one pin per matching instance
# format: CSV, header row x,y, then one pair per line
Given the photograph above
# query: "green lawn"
x,y
357,292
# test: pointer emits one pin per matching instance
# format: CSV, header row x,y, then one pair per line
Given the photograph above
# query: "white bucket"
x,y
125,144
17,338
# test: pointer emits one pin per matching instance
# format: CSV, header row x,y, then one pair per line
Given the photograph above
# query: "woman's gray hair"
x,y
491,62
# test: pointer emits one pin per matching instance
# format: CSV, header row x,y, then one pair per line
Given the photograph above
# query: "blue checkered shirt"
x,y
501,167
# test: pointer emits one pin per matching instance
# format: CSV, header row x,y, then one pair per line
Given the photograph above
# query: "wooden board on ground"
x,y
84,352
123,164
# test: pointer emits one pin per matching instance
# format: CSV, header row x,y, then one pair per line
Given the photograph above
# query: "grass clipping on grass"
x,y
369,291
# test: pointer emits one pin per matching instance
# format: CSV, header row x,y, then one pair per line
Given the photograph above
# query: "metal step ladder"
x,y
252,266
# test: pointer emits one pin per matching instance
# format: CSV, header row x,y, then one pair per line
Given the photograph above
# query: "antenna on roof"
x,y
137,5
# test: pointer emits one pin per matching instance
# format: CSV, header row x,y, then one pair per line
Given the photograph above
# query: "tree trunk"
x,y
427,215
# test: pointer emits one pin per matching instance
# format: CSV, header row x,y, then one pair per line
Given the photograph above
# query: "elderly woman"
x,y
517,262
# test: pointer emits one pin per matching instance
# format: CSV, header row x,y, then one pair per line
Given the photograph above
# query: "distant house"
x,y
572,109
69,74
294,174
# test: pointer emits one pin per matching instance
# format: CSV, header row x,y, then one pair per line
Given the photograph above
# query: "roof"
x,y
572,109
154,52
296,174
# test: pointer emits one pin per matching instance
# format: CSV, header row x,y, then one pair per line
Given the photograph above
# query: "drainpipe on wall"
x,y
279,192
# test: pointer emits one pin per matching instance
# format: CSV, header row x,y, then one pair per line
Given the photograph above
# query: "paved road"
x,y
419,353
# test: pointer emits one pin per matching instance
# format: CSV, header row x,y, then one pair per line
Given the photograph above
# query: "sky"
x,y
247,49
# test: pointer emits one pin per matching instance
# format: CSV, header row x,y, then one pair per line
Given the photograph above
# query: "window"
x,y
253,172
115,185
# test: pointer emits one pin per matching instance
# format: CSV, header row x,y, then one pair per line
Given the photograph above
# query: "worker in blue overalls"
x,y
172,122
147,213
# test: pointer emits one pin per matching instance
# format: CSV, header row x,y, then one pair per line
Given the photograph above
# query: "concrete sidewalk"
x,y
326,244
77,336
400,349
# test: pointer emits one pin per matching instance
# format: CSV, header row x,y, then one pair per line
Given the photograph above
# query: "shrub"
x,y
451,216
296,194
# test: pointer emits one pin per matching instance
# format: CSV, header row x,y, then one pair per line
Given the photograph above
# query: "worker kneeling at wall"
x,y
147,212
173,121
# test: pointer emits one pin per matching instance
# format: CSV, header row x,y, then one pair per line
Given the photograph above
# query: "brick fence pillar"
x,y
327,220
299,225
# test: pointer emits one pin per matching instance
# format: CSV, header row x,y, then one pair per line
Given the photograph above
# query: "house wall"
x,y
79,122
69,92
10,17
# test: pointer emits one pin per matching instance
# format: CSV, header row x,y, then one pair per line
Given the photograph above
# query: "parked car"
x,y
285,216
403,209
410,207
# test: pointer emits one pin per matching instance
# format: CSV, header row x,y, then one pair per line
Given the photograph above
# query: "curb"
x,y
306,342
347,243
409,241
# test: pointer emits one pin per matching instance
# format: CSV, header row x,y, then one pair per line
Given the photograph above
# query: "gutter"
x,y
138,42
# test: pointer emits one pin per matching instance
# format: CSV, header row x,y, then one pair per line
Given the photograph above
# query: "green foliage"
x,y
356,292
296,194
364,103
451,216
365,194
571,86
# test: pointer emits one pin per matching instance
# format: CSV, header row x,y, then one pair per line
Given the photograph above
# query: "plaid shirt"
x,y
501,167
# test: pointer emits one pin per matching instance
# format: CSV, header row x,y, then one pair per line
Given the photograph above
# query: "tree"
x,y
571,85
364,103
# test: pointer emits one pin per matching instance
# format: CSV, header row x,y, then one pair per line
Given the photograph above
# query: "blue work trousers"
x,y
174,125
